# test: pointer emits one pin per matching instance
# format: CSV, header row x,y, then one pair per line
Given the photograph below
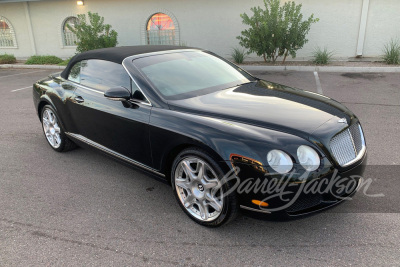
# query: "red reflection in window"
x,y
3,25
160,21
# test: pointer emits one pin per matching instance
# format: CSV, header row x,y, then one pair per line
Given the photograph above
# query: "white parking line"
x,y
21,73
21,89
319,87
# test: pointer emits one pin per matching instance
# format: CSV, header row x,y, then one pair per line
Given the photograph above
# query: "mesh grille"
x,y
348,144
305,202
357,138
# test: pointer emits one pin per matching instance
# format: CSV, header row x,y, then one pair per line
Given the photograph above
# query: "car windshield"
x,y
187,74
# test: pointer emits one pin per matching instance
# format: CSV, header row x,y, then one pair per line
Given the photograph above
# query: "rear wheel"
x,y
196,181
53,131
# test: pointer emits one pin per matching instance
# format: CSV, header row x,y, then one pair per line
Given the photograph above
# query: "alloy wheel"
x,y
199,189
51,128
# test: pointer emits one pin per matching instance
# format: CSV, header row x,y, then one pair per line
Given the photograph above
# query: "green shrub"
x,y
43,60
7,59
238,55
94,35
276,31
322,57
392,52
64,62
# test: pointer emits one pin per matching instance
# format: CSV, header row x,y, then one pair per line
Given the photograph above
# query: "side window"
x,y
103,75
75,73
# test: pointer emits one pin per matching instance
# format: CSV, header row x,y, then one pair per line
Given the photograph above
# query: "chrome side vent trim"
x,y
112,152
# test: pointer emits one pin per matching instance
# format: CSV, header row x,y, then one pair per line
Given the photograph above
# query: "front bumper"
x,y
297,199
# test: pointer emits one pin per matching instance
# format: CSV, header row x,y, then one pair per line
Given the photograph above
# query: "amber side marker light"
x,y
260,203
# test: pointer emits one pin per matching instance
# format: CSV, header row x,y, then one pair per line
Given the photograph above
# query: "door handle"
x,y
79,99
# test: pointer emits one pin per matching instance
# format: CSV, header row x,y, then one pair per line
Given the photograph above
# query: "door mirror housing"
x,y
118,94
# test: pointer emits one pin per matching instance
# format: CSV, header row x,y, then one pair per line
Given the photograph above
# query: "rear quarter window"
x,y
75,73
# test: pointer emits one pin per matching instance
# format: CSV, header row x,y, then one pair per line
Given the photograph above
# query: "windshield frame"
x,y
194,93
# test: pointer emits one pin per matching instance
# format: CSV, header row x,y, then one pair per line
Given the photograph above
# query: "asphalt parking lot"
x,y
82,208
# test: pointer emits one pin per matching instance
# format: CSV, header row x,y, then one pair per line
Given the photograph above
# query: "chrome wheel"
x,y
51,128
199,189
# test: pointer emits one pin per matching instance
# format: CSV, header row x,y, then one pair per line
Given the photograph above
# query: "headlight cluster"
x,y
281,162
308,158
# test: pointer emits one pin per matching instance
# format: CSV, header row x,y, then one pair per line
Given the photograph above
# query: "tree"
x,y
297,29
94,35
275,31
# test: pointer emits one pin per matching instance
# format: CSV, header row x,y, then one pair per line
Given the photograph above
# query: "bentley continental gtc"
x,y
224,140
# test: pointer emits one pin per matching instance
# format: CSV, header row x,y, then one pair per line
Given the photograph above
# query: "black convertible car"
x,y
224,139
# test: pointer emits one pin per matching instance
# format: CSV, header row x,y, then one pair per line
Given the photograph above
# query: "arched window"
x,y
70,38
7,37
160,30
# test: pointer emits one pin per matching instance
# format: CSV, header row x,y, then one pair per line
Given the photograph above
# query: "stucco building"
x,y
349,27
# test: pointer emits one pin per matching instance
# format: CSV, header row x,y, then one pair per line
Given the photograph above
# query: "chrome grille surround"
x,y
349,145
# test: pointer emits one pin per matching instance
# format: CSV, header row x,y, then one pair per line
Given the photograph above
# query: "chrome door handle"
x,y
79,99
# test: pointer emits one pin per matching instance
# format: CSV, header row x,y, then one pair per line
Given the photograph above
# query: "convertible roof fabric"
x,y
117,54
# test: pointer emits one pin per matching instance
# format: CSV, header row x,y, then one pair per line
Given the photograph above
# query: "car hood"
x,y
268,105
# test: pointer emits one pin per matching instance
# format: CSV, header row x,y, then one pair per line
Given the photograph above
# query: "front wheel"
x,y
196,182
53,131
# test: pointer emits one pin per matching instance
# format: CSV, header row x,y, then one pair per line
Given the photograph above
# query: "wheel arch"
x,y
174,151
40,108
43,101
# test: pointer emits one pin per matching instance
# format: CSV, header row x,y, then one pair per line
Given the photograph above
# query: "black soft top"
x,y
117,54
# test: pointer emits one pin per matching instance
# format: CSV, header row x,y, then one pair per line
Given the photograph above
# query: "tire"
x,y
202,198
54,131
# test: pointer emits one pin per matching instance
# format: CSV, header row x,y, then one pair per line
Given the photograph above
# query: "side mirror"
x,y
118,94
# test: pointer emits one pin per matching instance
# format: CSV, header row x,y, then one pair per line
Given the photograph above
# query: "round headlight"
x,y
279,161
308,158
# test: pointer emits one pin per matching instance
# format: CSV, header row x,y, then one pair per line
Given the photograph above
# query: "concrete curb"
x,y
249,68
320,68
18,66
